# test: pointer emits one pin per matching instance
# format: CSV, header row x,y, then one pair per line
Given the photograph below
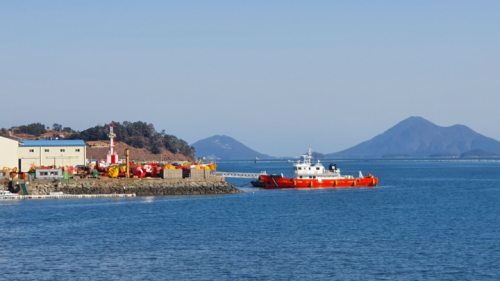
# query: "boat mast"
x,y
307,157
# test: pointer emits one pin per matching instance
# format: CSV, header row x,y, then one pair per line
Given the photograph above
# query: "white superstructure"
x,y
307,170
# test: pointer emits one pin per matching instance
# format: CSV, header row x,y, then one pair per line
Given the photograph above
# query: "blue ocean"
x,y
427,220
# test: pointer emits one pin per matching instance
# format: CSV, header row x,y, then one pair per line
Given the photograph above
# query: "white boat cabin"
x,y
306,170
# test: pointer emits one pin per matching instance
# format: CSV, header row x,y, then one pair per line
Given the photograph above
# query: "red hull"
x,y
273,182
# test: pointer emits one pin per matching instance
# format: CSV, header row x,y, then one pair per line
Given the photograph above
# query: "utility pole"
x,y
127,157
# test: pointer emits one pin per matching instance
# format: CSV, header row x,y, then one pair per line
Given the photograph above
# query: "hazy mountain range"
x,y
417,137
224,147
413,137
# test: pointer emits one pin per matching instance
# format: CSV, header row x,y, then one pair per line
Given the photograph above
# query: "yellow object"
x,y
113,172
169,167
213,167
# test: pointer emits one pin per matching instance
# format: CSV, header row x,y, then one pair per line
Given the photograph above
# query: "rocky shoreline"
x,y
139,187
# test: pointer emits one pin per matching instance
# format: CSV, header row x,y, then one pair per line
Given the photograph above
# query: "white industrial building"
x,y
8,153
23,154
50,153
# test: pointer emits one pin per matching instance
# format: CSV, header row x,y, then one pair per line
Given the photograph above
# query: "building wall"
x,y
51,155
8,153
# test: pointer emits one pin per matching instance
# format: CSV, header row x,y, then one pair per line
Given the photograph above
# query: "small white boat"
x,y
7,194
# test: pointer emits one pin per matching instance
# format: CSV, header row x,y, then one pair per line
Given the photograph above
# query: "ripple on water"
x,y
426,220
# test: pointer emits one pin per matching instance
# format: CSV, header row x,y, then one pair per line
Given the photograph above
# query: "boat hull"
x,y
277,182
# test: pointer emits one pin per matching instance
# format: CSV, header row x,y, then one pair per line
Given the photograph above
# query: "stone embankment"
x,y
141,187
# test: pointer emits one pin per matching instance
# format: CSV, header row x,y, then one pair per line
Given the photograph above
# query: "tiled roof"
x,y
26,143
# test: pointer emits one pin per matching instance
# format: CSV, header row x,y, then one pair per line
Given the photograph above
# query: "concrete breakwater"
x,y
143,187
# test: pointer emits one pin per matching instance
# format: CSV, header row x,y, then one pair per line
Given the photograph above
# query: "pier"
x,y
119,187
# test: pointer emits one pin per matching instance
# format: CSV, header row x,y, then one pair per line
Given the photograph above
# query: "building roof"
x,y
26,143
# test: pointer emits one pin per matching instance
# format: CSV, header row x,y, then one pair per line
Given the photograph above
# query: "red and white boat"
x,y
309,175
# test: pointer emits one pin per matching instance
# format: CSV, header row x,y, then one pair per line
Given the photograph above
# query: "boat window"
x,y
309,168
314,177
300,168
310,177
300,176
317,168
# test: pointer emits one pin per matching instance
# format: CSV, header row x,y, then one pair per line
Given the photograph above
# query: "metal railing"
x,y
239,175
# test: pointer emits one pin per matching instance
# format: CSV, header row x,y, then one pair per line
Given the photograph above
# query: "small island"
x,y
478,153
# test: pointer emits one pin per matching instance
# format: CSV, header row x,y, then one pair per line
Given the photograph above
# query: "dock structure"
x,y
200,182
239,175
67,196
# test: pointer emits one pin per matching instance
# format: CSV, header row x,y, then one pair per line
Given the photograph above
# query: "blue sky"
x,y
280,76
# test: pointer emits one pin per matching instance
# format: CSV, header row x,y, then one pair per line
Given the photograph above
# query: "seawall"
x,y
141,187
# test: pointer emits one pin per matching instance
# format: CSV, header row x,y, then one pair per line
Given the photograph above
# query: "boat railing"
x,y
239,174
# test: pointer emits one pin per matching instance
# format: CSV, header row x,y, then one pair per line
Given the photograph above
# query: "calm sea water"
x,y
426,220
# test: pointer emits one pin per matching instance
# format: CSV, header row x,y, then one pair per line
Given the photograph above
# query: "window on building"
x,y
62,150
77,150
32,150
46,150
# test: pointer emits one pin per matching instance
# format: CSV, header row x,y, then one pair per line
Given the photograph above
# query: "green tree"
x,y
138,134
57,127
68,130
35,129
4,132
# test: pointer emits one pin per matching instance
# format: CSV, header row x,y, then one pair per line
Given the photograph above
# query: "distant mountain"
x,y
227,148
417,137
317,155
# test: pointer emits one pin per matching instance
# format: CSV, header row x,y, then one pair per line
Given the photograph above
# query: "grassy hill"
x,y
138,135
